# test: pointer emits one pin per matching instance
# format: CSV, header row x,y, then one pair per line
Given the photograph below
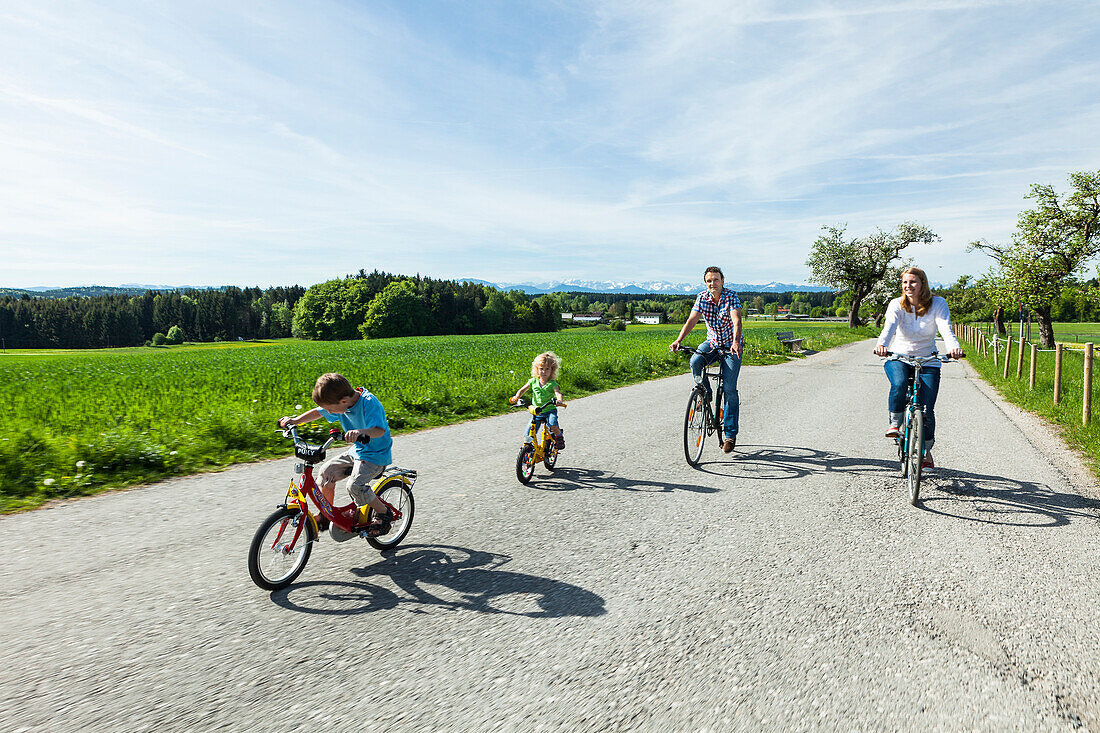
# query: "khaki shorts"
x,y
361,474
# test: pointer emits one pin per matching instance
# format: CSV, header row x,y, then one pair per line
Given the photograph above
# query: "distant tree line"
x,y
381,305
119,320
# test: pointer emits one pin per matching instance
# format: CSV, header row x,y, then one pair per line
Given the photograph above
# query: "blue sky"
x,y
267,143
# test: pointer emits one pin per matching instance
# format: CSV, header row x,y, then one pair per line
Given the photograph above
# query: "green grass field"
x,y
1067,332
78,422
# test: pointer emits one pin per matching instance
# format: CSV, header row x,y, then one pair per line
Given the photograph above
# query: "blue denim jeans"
x,y
731,367
900,375
550,418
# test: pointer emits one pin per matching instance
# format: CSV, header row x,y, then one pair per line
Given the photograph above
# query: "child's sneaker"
x,y
893,431
559,441
927,462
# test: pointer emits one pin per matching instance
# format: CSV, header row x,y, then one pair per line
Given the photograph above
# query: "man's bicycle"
x,y
535,449
910,440
282,544
701,419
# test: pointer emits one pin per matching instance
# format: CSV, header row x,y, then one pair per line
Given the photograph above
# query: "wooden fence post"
x,y
1008,356
995,364
1057,373
1031,368
1086,397
1020,358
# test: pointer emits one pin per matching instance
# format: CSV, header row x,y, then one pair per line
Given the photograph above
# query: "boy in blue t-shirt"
x,y
363,419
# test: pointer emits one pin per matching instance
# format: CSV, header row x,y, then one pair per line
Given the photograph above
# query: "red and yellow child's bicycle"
x,y
282,544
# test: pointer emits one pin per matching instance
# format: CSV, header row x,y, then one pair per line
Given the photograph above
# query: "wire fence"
x,y
1008,357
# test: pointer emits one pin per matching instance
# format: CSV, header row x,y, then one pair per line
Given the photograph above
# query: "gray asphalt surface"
x,y
788,586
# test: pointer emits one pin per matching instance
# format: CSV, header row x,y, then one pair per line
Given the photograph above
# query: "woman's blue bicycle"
x,y
911,438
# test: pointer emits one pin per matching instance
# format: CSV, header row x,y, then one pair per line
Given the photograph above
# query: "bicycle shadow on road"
x,y
979,497
954,493
770,462
447,577
572,479
998,500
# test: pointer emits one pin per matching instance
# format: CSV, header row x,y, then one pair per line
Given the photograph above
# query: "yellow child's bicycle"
x,y
535,448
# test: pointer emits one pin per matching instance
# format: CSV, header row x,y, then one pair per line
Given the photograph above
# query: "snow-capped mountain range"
x,y
657,287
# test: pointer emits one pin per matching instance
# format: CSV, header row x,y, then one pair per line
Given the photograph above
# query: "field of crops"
x,y
79,422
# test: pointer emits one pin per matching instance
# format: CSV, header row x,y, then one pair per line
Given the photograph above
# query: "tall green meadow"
x,y
76,423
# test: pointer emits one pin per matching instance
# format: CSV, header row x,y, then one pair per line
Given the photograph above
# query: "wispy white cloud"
x,y
276,143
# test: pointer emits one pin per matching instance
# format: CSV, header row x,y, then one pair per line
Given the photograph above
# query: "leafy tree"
x,y
397,311
159,339
175,335
857,265
1051,246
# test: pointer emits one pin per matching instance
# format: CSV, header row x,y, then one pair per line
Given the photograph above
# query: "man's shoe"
x,y
893,431
729,445
927,462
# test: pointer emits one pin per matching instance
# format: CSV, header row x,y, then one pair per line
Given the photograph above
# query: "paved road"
x,y
790,586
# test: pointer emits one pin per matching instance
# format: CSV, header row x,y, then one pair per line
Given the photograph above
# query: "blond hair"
x,y
925,292
546,357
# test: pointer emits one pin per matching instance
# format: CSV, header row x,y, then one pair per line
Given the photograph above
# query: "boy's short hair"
x,y
331,388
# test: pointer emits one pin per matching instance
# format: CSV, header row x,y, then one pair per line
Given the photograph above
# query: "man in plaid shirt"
x,y
721,310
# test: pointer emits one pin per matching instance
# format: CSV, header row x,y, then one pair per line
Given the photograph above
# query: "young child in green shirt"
x,y
545,394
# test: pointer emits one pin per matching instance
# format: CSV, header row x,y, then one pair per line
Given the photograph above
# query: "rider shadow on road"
x,y
1004,501
447,577
770,462
572,479
949,492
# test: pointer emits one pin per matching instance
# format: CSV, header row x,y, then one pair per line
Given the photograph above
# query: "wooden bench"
x,y
787,337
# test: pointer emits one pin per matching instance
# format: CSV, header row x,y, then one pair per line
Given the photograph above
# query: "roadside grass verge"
x,y
79,423
1065,416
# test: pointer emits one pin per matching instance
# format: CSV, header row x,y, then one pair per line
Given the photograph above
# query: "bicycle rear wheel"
x,y
695,427
549,449
395,493
915,451
279,552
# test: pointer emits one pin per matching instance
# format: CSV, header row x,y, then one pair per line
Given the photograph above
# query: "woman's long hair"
x,y
925,292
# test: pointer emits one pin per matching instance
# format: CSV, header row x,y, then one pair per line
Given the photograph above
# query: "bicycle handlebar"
x,y
521,403
291,431
921,359
695,350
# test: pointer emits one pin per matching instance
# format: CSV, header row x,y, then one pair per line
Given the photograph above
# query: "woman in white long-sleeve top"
x,y
910,328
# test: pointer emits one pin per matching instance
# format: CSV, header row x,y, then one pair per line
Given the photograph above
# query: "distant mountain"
x,y
657,287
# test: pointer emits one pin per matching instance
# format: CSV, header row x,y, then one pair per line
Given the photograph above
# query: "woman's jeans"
x,y
731,367
899,375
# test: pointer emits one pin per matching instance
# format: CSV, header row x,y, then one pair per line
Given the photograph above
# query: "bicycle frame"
x,y
542,447
914,393
713,371
348,517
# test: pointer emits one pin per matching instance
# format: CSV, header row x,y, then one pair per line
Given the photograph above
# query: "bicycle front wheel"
x,y
525,463
279,550
400,497
695,427
915,450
